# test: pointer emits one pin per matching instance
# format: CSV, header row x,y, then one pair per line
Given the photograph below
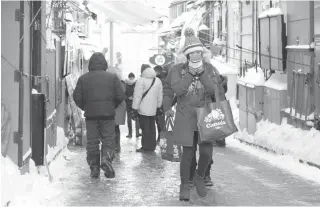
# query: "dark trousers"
x,y
129,121
117,137
205,150
194,159
160,121
148,127
100,131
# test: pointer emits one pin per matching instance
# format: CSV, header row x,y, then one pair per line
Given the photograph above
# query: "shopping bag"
x,y
169,151
215,120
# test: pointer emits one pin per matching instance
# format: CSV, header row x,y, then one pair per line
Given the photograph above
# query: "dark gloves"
x,y
134,114
159,112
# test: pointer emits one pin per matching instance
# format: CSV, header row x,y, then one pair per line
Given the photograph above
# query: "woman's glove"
x,y
159,112
134,114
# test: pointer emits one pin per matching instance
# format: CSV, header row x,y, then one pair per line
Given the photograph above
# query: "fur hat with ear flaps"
x,y
192,43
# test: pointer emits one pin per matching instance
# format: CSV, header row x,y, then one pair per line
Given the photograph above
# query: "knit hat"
x,y
131,75
192,43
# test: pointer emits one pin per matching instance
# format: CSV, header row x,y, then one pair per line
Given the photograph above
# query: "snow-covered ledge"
x,y
272,12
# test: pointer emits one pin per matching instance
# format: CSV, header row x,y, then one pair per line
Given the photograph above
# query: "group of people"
x,y
188,85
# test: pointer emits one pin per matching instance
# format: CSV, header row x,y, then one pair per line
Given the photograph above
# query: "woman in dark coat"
x,y
193,83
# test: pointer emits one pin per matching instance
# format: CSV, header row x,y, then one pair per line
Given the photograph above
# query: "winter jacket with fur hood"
x,y
98,92
153,100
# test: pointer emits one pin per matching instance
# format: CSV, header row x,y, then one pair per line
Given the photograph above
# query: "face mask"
x,y
195,57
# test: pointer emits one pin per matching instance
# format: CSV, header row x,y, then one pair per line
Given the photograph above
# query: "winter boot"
x,y
184,192
129,136
208,181
200,185
95,172
93,161
106,164
138,135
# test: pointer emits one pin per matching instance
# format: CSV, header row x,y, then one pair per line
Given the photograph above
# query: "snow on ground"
x,y
28,189
293,143
271,13
286,139
222,67
31,188
285,162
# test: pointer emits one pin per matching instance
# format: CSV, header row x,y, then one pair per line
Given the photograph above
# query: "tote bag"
x,y
215,120
169,151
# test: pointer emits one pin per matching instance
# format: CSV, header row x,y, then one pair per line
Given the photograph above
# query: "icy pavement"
x,y
145,179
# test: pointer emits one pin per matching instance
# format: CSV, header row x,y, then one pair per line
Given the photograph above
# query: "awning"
x,y
129,12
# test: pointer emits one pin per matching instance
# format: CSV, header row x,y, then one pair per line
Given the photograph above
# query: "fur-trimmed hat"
x,y
192,43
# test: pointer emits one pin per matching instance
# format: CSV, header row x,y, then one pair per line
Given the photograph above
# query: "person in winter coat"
x,y
193,83
98,93
147,102
120,118
160,120
130,84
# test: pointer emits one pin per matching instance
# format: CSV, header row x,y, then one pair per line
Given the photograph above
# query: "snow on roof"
x,y
252,77
270,13
277,81
301,47
223,67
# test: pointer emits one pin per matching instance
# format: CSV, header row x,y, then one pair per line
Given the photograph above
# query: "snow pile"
x,y
223,67
277,81
270,13
253,77
283,162
34,187
62,142
34,91
298,115
299,47
286,139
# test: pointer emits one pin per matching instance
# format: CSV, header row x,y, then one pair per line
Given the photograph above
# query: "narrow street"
x,y
145,179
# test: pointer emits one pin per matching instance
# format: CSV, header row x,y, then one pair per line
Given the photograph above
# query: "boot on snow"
x,y
200,185
106,165
117,141
208,181
184,192
129,136
95,172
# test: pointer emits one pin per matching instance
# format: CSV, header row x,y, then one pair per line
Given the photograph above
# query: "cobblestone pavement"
x,y
145,179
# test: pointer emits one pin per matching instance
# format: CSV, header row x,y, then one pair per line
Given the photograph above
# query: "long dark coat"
x,y
186,119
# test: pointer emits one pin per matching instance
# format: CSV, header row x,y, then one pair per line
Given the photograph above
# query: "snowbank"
x,y
277,81
271,13
32,188
223,67
62,142
297,47
286,139
253,77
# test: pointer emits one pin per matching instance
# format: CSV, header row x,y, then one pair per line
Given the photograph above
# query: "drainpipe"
x,y
257,36
240,13
253,17
19,134
227,29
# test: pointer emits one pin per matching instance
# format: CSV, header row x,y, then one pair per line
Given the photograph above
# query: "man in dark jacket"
x,y
98,93
130,84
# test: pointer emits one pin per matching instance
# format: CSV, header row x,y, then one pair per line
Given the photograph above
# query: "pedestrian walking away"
x,y
98,93
120,118
193,83
147,102
130,84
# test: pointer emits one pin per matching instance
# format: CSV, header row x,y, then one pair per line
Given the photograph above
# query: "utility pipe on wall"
x,y
111,43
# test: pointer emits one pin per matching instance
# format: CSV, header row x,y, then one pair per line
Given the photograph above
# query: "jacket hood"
x,y
97,62
130,82
149,73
